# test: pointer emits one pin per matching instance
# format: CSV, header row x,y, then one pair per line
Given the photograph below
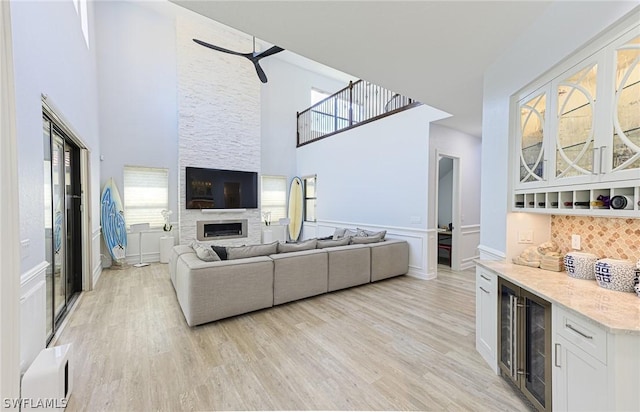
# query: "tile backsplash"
x,y
605,237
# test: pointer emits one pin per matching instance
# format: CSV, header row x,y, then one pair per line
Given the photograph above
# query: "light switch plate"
x,y
525,236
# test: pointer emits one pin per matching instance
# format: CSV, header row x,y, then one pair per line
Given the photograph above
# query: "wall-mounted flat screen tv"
x,y
221,189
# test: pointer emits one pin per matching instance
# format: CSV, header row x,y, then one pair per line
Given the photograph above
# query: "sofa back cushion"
x,y
241,252
359,240
204,252
331,243
296,247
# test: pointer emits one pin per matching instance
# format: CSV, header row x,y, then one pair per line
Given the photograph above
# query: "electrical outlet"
x,y
575,242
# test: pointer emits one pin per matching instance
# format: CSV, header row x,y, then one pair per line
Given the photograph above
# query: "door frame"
x,y
455,207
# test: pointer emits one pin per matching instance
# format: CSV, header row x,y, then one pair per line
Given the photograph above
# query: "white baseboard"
x,y
97,271
421,275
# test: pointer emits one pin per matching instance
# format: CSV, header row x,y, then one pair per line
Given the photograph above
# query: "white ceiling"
x,y
433,51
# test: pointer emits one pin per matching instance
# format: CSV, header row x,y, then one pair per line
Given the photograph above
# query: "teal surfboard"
x,y
114,229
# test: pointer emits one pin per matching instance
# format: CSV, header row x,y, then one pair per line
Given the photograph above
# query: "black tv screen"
x,y
221,189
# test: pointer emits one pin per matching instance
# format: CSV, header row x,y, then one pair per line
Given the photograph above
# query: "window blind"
x,y
146,195
273,197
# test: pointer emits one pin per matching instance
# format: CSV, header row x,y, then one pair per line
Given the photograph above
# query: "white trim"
x,y
96,271
468,263
32,273
152,257
469,229
365,225
490,253
9,219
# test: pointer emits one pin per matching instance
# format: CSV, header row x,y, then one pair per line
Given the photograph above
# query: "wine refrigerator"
x,y
525,342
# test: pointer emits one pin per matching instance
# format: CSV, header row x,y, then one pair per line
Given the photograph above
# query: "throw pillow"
x,y
204,253
221,251
241,252
296,247
364,232
338,233
331,243
359,240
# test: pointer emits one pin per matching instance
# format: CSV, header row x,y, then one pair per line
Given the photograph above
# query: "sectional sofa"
x,y
209,291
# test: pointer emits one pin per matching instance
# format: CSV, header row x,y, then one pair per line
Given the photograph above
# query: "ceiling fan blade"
x,y
270,51
261,75
220,49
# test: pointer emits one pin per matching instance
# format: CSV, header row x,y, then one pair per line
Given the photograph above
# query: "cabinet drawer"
x,y
585,335
486,280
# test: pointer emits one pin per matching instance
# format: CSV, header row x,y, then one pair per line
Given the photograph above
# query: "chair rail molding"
x,y
489,253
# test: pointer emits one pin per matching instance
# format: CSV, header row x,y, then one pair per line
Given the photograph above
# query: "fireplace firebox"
x,y
221,229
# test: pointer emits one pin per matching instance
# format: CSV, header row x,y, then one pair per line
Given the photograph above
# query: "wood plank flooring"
x,y
399,344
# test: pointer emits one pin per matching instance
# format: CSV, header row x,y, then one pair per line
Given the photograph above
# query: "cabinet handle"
x,y
568,325
556,355
601,156
593,163
485,278
484,290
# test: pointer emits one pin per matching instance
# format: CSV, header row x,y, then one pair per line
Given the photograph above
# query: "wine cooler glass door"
x,y
508,318
537,342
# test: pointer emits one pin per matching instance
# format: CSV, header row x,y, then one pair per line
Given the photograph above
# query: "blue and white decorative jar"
x,y
615,274
580,265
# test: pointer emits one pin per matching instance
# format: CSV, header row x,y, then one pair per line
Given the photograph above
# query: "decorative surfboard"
x,y
295,208
114,229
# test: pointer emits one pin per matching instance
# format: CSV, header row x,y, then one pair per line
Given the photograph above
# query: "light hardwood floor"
x,y
399,344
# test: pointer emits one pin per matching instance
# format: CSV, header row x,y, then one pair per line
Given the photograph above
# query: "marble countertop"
x,y
617,312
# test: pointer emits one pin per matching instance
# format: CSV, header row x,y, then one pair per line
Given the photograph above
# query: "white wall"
x,y
137,88
562,29
59,63
375,176
287,92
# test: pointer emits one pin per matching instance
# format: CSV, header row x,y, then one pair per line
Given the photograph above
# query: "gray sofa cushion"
x,y
333,243
389,258
297,247
204,252
241,252
341,232
364,232
359,240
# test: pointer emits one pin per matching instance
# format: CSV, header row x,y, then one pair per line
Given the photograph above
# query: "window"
x,y
146,195
309,183
273,196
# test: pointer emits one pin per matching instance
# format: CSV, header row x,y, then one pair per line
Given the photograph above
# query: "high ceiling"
x,y
433,51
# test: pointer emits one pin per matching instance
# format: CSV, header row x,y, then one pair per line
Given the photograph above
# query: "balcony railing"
x,y
357,104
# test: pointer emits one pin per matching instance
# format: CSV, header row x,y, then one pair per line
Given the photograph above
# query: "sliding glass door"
x,y
62,222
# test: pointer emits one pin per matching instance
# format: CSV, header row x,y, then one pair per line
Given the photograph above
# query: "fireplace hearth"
x,y
221,229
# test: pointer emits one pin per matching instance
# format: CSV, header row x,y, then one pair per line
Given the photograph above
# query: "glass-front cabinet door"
x,y
532,141
575,151
623,158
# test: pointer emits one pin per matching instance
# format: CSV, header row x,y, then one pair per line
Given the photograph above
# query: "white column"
x,y
9,218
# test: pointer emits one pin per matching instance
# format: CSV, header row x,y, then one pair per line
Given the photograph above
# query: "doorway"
x,y
63,222
447,211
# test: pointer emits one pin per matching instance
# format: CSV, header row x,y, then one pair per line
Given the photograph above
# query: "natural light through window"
x,y
273,197
146,195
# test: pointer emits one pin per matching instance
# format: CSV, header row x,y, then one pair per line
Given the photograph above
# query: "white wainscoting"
x,y
33,322
417,239
488,253
469,241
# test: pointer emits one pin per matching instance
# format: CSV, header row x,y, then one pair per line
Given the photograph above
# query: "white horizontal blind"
x,y
273,197
146,195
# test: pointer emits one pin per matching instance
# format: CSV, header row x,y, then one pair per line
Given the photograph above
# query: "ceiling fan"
x,y
253,57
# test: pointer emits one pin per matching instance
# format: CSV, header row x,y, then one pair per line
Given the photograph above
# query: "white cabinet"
x,y
487,316
577,133
593,370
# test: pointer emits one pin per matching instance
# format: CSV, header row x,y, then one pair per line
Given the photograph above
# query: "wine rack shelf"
x,y
609,202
